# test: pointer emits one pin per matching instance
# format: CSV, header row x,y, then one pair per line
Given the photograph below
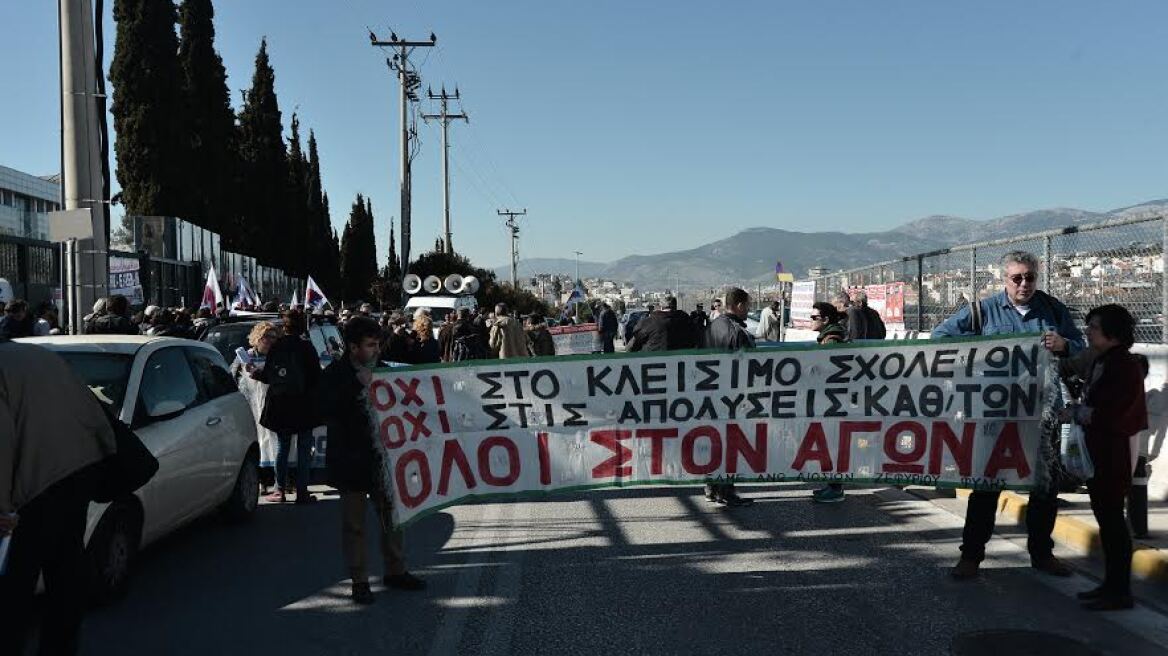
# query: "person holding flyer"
x,y
246,369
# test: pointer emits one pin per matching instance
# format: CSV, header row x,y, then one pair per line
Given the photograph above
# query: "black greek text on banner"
x,y
953,413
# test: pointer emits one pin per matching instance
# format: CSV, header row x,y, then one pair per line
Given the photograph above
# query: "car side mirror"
x,y
166,409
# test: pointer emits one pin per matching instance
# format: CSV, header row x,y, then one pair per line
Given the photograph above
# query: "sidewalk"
x,y
1076,529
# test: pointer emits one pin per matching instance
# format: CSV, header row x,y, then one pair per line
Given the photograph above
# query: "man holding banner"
x,y
1019,308
728,332
354,464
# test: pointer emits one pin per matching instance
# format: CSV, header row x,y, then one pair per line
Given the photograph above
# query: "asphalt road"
x,y
647,571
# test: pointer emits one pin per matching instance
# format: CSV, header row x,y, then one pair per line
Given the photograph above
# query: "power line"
x,y
408,81
514,226
446,117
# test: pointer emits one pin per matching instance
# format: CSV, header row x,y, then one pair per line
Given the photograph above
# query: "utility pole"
x,y
83,183
578,254
446,118
514,226
408,81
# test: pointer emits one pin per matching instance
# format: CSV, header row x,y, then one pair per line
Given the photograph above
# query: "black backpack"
x,y
876,329
285,372
467,347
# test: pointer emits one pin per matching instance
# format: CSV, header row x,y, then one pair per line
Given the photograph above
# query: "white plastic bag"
x,y
1073,453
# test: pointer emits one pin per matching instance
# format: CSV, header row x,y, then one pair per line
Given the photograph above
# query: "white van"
x,y
441,307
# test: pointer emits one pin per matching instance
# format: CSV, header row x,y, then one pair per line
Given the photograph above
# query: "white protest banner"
x,y
802,298
949,413
125,278
574,340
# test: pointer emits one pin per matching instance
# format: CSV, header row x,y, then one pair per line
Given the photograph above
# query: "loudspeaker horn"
x,y
470,285
412,284
432,284
453,283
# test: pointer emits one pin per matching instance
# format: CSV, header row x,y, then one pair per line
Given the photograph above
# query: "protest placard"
x,y
957,413
125,278
802,298
574,340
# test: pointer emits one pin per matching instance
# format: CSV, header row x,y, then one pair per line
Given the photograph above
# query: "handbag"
x,y
128,469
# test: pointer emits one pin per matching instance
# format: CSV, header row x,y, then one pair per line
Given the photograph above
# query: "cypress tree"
x,y
264,164
210,123
147,108
350,267
367,253
297,222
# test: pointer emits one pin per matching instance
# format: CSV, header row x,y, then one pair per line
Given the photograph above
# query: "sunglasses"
x,y
1017,278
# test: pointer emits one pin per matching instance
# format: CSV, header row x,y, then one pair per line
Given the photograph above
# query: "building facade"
x,y
25,203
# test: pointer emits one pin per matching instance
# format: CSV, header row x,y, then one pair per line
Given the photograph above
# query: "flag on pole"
x,y
212,295
295,299
245,295
314,298
577,296
782,275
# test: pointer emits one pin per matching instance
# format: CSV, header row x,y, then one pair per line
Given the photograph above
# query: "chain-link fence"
x,y
1120,261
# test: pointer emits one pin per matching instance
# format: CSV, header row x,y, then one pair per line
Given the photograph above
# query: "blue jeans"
x,y
304,442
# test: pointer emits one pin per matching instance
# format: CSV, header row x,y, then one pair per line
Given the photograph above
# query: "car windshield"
x,y
228,337
106,374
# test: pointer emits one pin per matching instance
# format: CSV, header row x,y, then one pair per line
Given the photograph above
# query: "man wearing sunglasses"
x,y
1020,308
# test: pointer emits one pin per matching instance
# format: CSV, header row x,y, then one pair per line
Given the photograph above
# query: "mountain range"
x,y
750,255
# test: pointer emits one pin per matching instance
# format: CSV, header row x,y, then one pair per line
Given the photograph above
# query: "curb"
x,y
1148,562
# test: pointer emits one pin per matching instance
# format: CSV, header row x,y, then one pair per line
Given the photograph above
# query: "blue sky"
x,y
632,127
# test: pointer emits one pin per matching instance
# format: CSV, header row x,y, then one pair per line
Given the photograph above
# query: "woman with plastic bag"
x,y
1111,411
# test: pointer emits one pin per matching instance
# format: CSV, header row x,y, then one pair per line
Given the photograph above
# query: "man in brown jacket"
x,y
507,337
52,431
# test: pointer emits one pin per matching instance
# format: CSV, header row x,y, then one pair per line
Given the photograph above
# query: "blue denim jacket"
x,y
998,317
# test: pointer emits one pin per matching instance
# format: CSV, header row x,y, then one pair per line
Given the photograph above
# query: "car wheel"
x,y
245,496
111,553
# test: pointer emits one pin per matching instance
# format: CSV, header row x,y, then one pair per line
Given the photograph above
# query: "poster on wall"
x,y
893,311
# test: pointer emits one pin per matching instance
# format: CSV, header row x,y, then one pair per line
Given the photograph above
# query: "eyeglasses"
x,y
1017,278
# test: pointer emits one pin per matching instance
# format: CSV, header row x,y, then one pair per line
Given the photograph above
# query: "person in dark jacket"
x,y
700,320
668,329
1113,410
116,320
292,372
467,341
354,466
539,340
397,340
728,333
606,328
825,318
16,321
851,316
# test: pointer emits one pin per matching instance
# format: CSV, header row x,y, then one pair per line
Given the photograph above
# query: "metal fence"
x,y
31,267
1120,261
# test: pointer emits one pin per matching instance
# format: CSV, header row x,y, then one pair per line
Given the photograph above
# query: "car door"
x,y
173,495
225,437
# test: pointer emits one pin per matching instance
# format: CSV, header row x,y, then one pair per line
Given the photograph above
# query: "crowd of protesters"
x,y
47,456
